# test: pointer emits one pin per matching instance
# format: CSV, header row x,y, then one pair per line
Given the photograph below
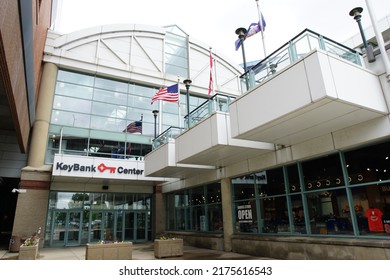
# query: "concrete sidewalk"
x,y
144,251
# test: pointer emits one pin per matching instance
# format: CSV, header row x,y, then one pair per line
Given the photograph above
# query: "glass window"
x,y
274,215
372,209
270,182
324,172
369,164
329,213
246,217
298,214
293,179
196,209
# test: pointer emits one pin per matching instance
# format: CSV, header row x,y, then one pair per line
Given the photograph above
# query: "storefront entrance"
x,y
68,228
93,217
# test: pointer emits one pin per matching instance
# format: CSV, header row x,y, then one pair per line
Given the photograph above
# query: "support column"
x,y
227,213
158,218
41,125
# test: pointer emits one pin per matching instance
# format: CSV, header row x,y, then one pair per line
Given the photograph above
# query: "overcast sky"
x,y
214,21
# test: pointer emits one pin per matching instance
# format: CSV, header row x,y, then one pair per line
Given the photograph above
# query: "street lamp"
x,y
187,83
155,113
356,13
241,36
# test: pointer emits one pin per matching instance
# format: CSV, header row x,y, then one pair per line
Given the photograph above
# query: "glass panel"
x,y
293,179
327,212
197,196
324,172
72,90
109,221
213,194
243,187
372,209
96,226
270,182
129,226
198,218
275,214
73,231
119,226
58,233
81,79
105,96
370,164
215,218
141,226
246,217
111,85
298,214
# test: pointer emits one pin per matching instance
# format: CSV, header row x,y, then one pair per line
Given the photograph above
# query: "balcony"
x,y
309,87
316,95
206,146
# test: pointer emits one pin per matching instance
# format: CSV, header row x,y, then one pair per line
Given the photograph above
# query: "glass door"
x,y
65,228
141,228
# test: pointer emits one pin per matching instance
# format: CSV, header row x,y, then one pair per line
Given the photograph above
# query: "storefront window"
x,y
197,209
298,214
370,164
372,209
324,172
275,215
329,212
246,217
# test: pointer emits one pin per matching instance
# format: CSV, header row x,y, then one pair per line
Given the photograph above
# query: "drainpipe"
x,y
379,38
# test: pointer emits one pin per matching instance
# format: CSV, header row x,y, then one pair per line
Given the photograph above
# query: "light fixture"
x,y
19,190
356,13
187,83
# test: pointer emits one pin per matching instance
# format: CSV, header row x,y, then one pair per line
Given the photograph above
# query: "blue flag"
x,y
253,29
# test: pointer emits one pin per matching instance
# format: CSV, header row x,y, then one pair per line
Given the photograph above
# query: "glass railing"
x,y
170,133
216,103
290,52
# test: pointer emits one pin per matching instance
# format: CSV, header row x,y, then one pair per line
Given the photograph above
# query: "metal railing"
x,y
170,133
290,52
216,103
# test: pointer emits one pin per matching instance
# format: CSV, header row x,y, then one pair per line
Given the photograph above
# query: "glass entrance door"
x,y
66,225
135,226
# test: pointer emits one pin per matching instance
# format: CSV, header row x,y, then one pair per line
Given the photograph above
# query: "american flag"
x,y
170,94
134,127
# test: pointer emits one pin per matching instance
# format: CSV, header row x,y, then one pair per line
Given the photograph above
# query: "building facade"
x,y
301,159
288,160
23,29
85,175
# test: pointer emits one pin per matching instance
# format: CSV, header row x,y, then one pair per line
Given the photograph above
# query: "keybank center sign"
x,y
95,167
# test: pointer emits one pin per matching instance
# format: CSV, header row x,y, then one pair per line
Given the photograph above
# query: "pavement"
x,y
143,251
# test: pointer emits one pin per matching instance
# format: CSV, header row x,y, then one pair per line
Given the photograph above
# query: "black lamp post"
x,y
187,83
241,36
155,113
356,13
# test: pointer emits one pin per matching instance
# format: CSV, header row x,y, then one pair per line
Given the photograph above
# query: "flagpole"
x,y
379,39
261,27
160,117
211,81
178,101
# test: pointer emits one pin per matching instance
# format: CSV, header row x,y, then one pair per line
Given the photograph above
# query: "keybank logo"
x,y
102,168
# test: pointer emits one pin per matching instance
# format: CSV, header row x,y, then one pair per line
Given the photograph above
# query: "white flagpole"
x,y
379,39
261,27
178,101
160,117
212,62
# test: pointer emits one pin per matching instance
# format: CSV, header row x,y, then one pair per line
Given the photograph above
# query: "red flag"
x,y
211,74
